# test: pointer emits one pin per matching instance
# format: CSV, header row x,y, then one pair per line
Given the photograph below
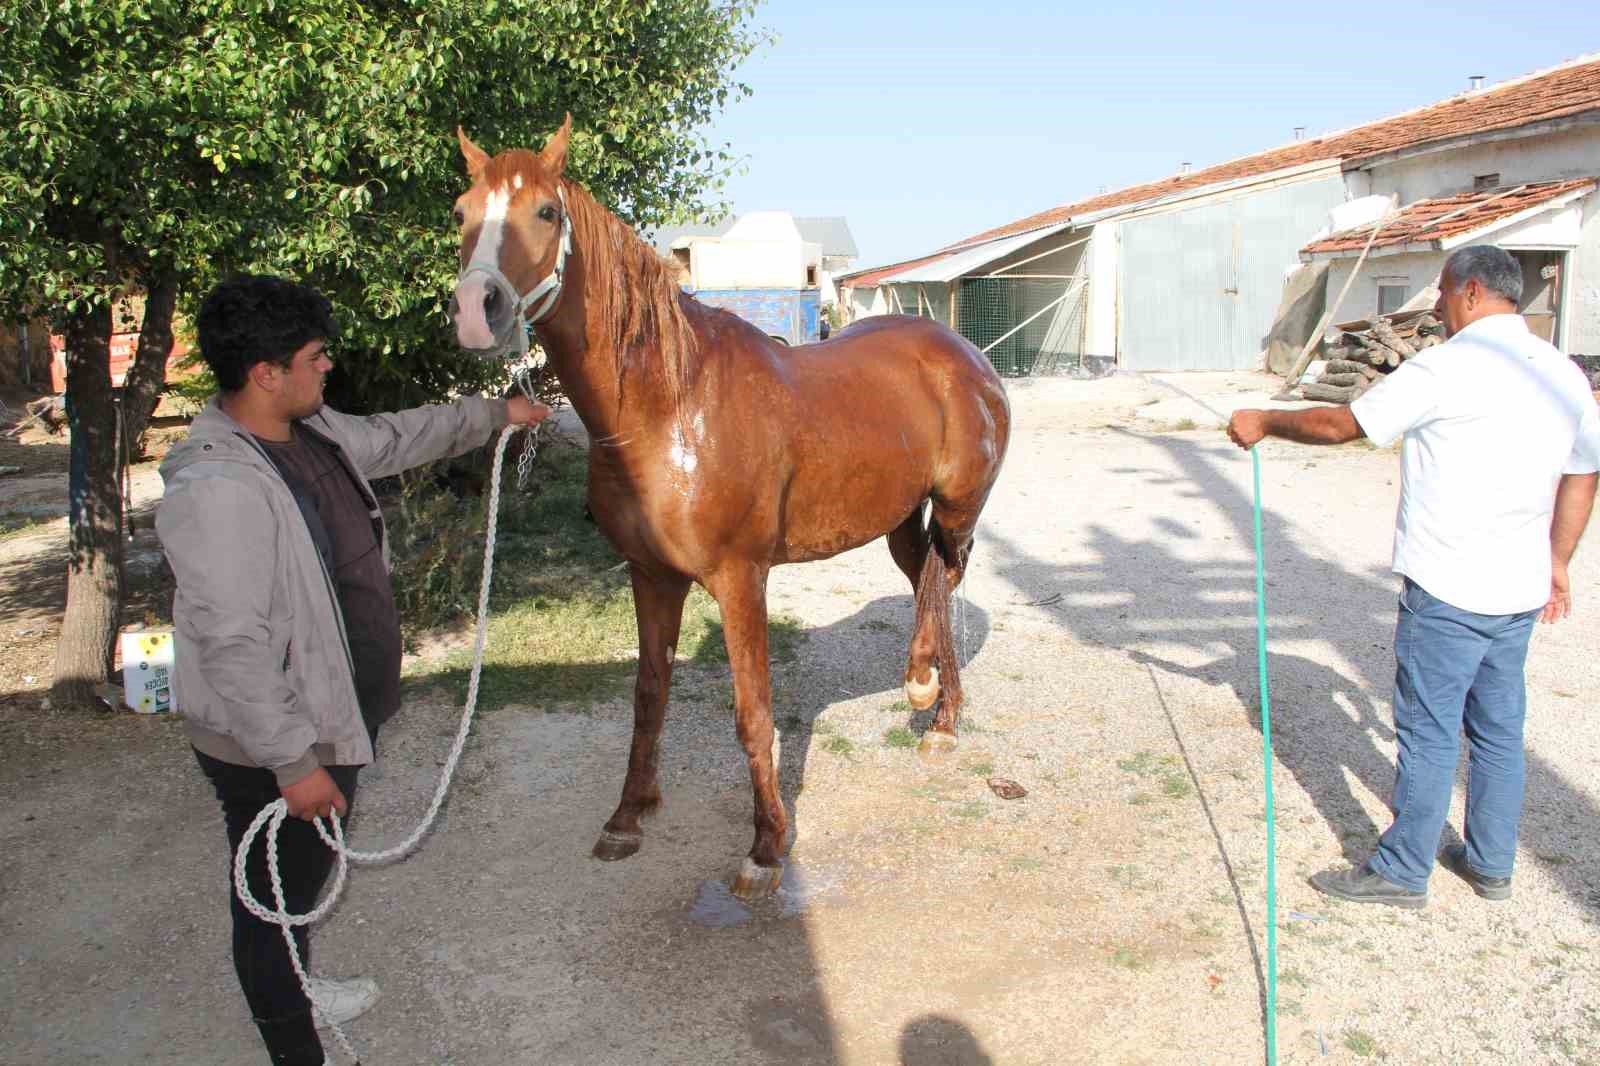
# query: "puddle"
x,y
716,907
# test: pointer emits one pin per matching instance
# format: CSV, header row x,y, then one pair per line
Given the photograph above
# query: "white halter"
x,y
541,300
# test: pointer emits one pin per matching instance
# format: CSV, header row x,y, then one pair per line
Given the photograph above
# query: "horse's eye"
x,y
547,213
457,217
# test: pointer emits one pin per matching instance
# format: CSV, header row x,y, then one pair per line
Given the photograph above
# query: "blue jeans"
x,y
1455,669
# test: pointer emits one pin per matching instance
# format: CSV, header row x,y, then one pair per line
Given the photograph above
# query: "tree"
x,y
163,144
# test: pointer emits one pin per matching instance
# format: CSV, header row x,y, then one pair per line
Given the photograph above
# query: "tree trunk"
x,y
141,389
94,567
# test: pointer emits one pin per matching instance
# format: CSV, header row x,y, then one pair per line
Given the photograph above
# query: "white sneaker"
x,y
339,1002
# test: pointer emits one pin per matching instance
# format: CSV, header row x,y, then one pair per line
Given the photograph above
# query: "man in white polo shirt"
x,y
1500,448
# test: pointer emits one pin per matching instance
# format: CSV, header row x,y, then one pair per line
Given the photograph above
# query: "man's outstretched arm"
x,y
1313,425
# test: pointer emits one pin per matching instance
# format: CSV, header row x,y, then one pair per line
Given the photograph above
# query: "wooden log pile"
x,y
1365,351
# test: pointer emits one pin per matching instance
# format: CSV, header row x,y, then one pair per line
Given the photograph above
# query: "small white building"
x,y
1217,268
762,250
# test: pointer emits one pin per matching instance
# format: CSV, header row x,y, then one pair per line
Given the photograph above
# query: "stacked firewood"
x,y
1367,350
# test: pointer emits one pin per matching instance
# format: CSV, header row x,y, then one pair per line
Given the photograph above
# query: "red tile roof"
x,y
1565,90
1448,216
866,279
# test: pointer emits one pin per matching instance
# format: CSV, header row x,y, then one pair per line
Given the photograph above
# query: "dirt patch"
x,y
1115,914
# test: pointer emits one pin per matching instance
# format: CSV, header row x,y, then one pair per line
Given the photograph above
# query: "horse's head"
x,y
515,236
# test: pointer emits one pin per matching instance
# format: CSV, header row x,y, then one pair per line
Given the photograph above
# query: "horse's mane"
x,y
634,294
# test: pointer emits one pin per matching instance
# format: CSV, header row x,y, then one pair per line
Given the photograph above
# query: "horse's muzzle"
x,y
483,309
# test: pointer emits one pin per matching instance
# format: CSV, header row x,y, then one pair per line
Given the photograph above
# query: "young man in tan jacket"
x,y
288,642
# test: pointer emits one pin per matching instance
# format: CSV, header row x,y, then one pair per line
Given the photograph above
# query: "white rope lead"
x,y
273,814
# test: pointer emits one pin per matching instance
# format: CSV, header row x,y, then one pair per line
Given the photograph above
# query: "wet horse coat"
x,y
718,454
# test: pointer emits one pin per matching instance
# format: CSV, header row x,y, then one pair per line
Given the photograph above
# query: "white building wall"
x,y
1581,300
1416,270
1570,153
865,303
763,250
1100,336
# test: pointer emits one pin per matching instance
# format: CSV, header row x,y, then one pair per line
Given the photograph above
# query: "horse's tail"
x,y
933,609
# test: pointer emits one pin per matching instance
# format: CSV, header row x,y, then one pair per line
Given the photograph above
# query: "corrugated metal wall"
x,y
1198,288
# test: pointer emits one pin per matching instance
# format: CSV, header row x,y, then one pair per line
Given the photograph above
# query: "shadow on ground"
x,y
1326,724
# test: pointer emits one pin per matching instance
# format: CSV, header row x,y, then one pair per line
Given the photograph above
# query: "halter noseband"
x,y
541,300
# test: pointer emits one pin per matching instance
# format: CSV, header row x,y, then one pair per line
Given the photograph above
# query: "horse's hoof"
x,y
613,845
756,881
936,746
922,694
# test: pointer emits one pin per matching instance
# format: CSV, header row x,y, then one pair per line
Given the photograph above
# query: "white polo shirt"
x,y
1491,419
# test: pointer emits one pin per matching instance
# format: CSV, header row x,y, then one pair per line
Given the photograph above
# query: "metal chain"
x,y
273,814
530,446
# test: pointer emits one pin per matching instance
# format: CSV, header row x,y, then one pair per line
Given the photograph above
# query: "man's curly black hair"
x,y
256,318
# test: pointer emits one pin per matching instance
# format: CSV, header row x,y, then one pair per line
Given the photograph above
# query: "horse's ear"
x,y
476,157
554,156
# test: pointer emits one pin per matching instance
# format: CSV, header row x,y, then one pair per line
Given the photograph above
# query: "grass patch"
x,y
877,625
981,769
16,523
973,810
1293,977
839,745
1562,1045
899,737
561,623
1361,1043
1146,764
1129,959
1176,786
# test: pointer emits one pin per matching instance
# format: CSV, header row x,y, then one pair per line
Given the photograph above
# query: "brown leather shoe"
x,y
1363,884
1454,859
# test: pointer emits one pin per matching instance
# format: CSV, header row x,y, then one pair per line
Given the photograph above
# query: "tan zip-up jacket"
x,y
263,675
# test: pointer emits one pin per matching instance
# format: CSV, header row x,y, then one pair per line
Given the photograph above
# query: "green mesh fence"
x,y
991,308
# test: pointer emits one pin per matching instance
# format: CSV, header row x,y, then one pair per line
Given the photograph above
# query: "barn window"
x,y
1392,293
1486,181
811,277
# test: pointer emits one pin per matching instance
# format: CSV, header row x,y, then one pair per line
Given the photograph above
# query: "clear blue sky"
x,y
923,123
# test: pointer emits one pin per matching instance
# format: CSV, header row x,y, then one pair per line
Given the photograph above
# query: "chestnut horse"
x,y
718,454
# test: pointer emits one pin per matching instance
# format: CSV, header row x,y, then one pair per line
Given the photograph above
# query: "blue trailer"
x,y
793,316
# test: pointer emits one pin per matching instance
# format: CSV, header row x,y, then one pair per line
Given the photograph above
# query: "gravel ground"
x,y
1115,915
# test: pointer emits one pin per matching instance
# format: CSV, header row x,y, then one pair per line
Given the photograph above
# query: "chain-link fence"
x,y
1025,325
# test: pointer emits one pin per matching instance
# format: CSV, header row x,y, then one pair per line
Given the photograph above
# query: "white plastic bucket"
x,y
147,671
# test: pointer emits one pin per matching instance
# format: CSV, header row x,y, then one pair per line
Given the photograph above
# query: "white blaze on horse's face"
x,y
472,294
